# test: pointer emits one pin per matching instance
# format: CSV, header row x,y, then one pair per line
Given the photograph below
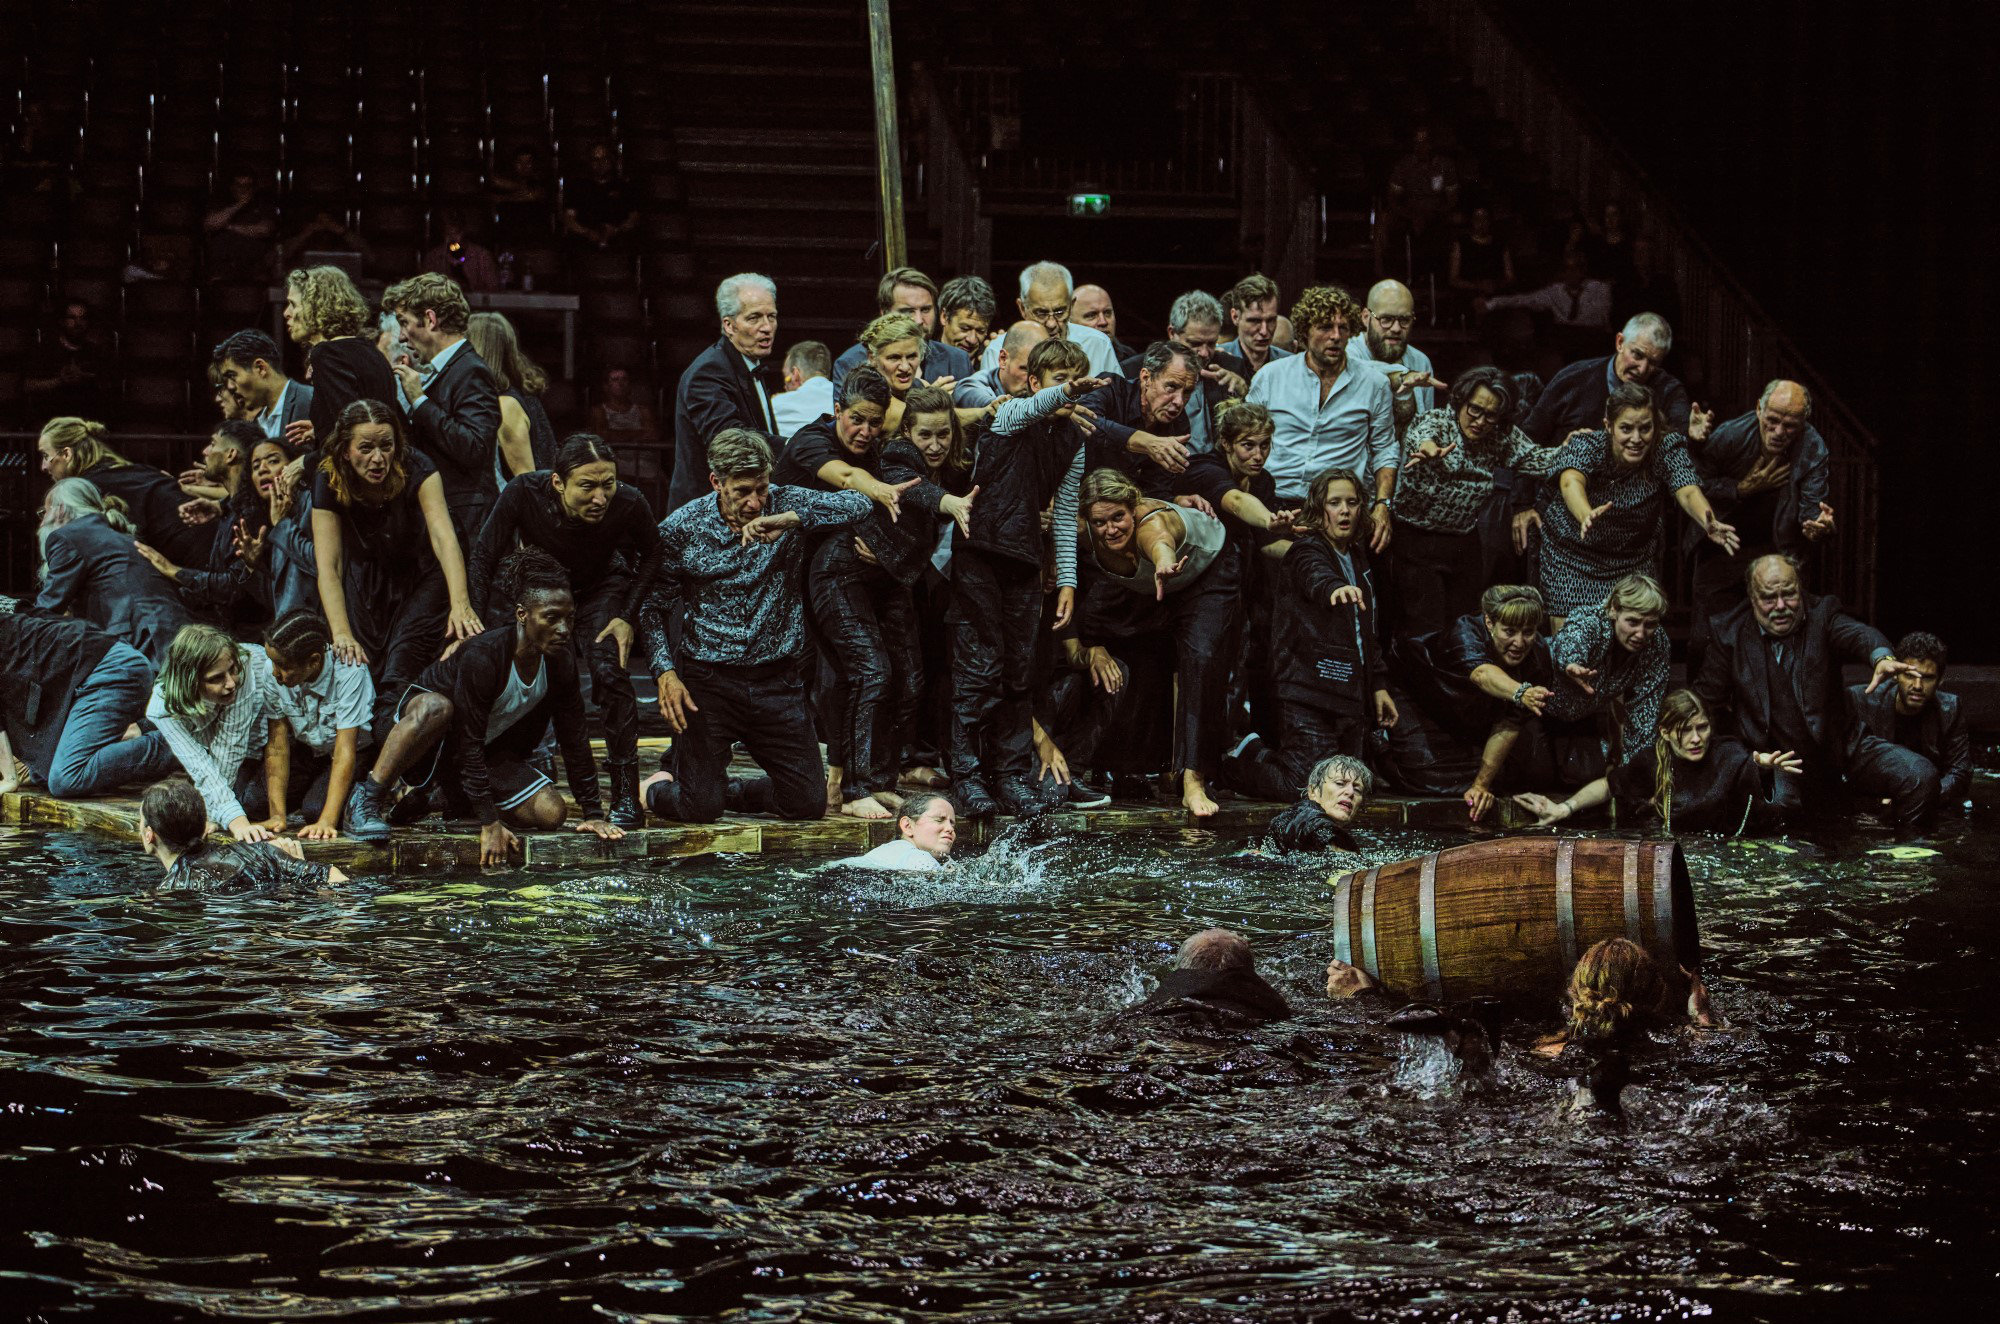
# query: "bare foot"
x,y
661,776
893,801
132,732
924,779
866,807
1194,795
833,776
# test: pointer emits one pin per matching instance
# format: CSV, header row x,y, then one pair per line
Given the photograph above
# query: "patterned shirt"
x,y
240,866
213,754
1446,493
1638,495
1636,682
744,605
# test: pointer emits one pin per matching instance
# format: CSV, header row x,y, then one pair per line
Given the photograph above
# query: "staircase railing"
x,y
1280,216
951,183
1738,342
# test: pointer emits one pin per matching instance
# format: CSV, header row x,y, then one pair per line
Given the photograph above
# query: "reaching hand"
x,y
245,830
676,704
464,624
960,509
943,384
1378,520
1546,811
1528,521
1346,981
200,510
1349,595
890,497
1783,761
619,630
1884,669
1162,574
1105,671
1477,801
1226,379
1536,697
1386,715
248,546
1581,675
1429,450
1049,761
1065,607
1595,514
1815,529
1722,535
1079,387
158,562
1166,452
1284,523
299,434
1700,420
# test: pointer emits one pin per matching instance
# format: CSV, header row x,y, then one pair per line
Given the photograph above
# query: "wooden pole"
x,y
888,144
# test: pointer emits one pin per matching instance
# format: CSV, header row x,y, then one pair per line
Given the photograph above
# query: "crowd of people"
x,y
1001,558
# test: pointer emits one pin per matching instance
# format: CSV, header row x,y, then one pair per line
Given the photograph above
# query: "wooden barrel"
x,y
1509,918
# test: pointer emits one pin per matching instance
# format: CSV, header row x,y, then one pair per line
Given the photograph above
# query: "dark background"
x,y
1841,159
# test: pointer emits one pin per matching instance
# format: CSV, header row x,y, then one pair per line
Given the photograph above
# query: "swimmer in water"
x,y
1336,789
929,828
173,829
1215,975
1617,996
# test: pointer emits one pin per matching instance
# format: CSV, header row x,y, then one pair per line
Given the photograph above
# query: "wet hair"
x,y
528,571
430,291
298,636
1053,355
888,329
174,810
1345,765
1516,606
864,385
1241,420
885,289
1319,305
84,440
579,449
1627,396
339,469
1254,288
331,305
739,453
494,339
1677,711
925,400
246,347
1314,515
192,652
1473,380
1923,646
1639,593
810,357
1215,949
1616,993
1110,486
916,806
1160,356
970,294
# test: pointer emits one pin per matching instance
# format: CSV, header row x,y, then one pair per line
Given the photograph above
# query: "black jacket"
x,y
346,369
1017,474
1731,451
1436,670
1574,398
716,392
1939,734
1316,660
1119,415
154,500
1737,679
1206,995
530,513
1307,827
473,678
458,426
44,661
96,573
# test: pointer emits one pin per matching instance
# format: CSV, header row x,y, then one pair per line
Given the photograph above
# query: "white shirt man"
x,y
1316,427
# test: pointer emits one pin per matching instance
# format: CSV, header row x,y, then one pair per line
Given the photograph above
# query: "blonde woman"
x,y
215,704
327,316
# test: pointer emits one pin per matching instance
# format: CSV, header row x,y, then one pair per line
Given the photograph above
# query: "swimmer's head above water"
x,y
930,823
1340,786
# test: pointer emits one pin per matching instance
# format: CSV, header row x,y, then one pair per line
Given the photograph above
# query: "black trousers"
x,y
610,683
765,708
929,730
871,677
1434,578
305,787
1879,769
1278,772
1200,619
995,616
1424,757
402,627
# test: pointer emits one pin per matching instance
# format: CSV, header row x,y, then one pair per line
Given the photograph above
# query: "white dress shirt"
x,y
794,409
1352,428
1414,360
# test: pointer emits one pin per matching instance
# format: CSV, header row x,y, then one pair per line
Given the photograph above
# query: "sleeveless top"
x,y
1202,543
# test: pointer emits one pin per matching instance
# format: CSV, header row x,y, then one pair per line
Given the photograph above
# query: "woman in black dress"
x,y
327,316
76,448
521,383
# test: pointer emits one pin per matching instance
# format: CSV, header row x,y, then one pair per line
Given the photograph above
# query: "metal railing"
x,y
1738,342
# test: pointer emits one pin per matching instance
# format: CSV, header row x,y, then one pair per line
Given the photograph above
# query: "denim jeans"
x,y
93,756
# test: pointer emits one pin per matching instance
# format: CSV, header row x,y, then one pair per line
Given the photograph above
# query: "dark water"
x,y
751,1091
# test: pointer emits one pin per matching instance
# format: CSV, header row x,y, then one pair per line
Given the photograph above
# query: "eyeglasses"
x,y
1392,319
1479,414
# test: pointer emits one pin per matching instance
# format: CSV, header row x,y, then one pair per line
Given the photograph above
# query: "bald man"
x,y
1091,306
1215,982
1009,373
1767,473
1771,676
1391,315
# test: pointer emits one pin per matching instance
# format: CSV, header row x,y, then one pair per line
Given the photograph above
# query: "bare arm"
x,y
464,621
330,561
277,772
517,453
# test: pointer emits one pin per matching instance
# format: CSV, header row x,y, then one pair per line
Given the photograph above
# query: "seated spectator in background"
x,y
1481,263
1045,298
173,829
620,416
455,413
927,828
1687,780
214,707
910,293
1649,287
458,255
1253,314
63,374
1423,193
598,210
240,232
92,569
1914,715
1214,979
1614,661
1767,472
324,236
519,195
1574,398
729,384
808,394
325,314
1576,300
1608,247
1323,819
68,693
254,372
1195,323
527,438
149,499
1328,411
1389,317
965,310
1091,306
327,707
1009,374
1771,676
467,729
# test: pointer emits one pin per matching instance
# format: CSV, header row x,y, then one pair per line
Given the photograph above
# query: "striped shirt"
x,y
213,755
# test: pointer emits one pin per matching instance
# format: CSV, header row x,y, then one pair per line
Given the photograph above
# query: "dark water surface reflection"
x,y
751,1090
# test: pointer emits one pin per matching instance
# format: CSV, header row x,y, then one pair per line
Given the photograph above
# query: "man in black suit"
x,y
729,385
910,292
1772,674
1913,716
1195,324
253,370
1574,397
455,412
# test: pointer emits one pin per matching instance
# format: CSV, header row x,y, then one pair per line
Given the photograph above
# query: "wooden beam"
x,y
888,141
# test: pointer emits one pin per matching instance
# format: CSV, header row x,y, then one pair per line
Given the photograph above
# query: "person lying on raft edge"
x,y
1214,978
929,828
1335,791
173,829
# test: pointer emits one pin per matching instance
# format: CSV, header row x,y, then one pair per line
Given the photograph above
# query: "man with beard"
x,y
1141,422
1390,315
1914,716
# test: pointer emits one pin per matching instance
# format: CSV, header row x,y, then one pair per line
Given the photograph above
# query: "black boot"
x,y
626,811
364,816
973,799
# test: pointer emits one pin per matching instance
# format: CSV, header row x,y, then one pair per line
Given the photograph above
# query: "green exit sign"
x,y
1089,204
